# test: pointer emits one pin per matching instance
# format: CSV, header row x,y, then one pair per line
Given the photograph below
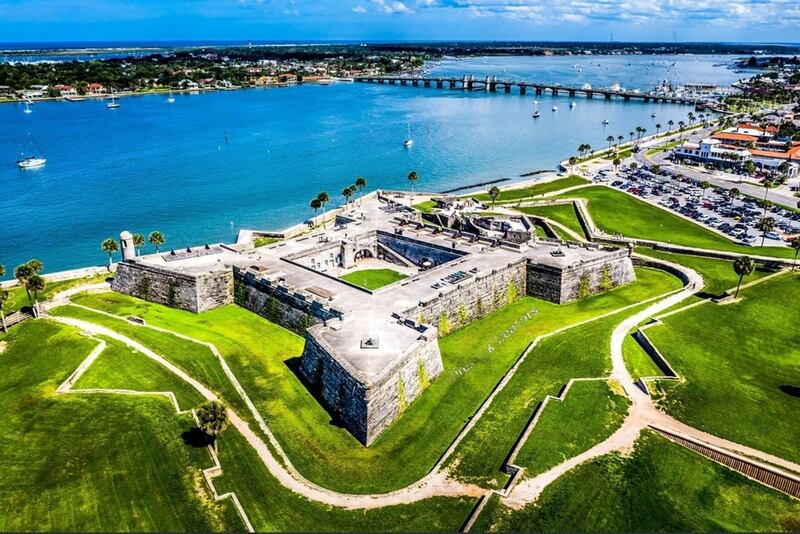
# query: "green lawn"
x,y
590,413
425,207
741,364
664,147
263,241
616,212
80,462
119,366
661,487
581,352
17,298
265,358
509,195
638,362
718,274
560,213
373,279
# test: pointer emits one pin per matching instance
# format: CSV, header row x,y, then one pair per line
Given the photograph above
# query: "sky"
x,y
370,20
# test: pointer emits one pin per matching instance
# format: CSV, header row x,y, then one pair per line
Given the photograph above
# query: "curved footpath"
x,y
642,413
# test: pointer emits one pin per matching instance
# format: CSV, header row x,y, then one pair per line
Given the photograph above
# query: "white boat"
x,y
408,143
27,107
572,105
170,99
536,113
113,104
30,162
605,122
555,108
653,115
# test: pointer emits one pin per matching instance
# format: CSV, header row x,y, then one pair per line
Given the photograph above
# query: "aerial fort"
x,y
370,349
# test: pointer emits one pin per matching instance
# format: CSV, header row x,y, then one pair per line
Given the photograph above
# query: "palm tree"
x,y
361,183
704,185
347,193
670,123
315,205
323,198
494,192
572,161
36,265
589,149
765,224
138,242
213,419
733,193
743,266
620,138
691,117
616,163
767,187
34,285
631,134
412,177
658,127
109,246
638,132
681,126
25,272
582,149
796,246
156,239
610,141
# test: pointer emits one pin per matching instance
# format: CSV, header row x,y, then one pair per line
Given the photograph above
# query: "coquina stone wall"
x,y
282,304
367,409
472,299
578,281
196,293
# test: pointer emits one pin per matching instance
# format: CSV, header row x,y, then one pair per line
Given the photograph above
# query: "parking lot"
x,y
735,218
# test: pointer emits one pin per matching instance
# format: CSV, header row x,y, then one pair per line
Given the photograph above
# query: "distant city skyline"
x,y
377,20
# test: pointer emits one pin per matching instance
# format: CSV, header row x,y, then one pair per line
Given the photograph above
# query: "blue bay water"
x,y
155,166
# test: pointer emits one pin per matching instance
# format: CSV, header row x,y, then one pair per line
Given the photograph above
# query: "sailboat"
x,y
408,143
27,107
32,161
170,99
113,104
536,113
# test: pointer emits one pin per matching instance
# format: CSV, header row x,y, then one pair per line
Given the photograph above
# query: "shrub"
x,y
584,289
444,325
606,282
422,374
402,401
463,315
511,291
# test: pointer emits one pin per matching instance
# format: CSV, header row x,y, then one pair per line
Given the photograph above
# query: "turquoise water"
x,y
153,166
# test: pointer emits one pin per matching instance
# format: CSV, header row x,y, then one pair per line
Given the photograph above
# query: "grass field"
x,y
718,274
579,352
616,212
590,413
263,241
664,147
509,195
265,358
560,213
373,279
661,487
638,362
17,298
425,207
741,364
92,462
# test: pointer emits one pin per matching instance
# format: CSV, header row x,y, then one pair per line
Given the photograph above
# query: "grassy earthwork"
x,y
537,189
373,279
660,487
17,298
561,213
741,366
616,212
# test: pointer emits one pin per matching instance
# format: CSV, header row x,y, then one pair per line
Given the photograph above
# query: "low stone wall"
x,y
366,410
188,292
472,299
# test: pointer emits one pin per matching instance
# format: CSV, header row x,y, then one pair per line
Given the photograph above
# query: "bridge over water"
x,y
492,84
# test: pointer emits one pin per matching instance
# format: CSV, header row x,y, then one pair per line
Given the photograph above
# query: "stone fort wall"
x,y
366,410
195,293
